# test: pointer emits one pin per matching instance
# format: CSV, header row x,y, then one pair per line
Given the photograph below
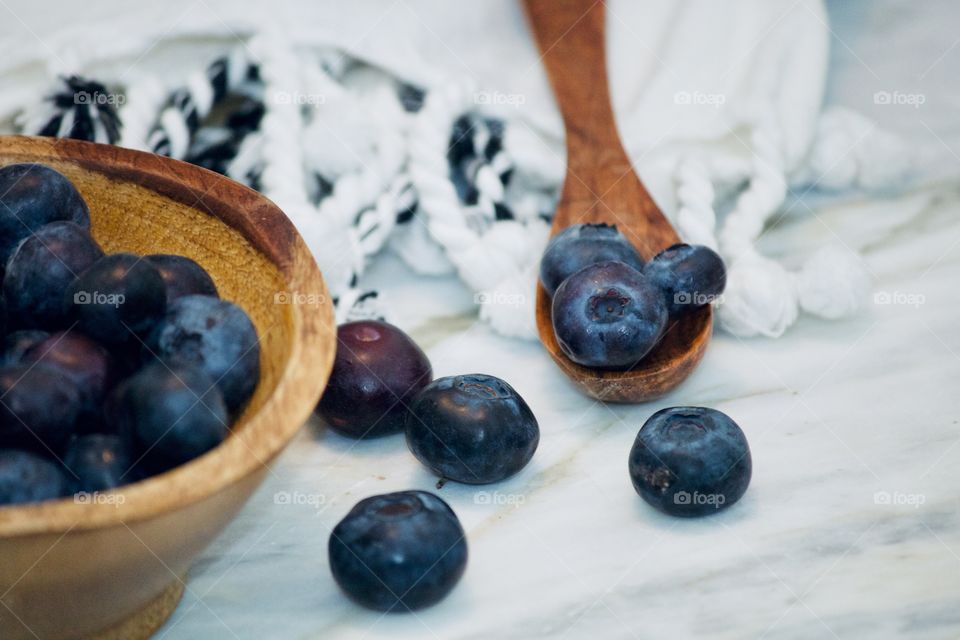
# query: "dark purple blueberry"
x,y
473,428
690,461
398,551
116,299
690,276
216,336
377,371
175,413
608,315
182,276
83,360
32,195
40,270
39,407
26,477
582,245
98,462
16,344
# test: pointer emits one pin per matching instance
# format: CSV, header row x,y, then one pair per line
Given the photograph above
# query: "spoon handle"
x,y
601,185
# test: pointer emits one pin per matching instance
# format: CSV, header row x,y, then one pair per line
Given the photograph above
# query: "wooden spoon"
x,y
601,186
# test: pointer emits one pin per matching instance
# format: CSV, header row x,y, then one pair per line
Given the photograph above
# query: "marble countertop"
x,y
851,525
850,528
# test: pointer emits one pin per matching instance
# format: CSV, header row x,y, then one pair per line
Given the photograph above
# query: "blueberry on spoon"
x,y
608,315
582,245
690,276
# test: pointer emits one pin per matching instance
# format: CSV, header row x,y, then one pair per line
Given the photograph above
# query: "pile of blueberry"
x,y
609,308
113,367
407,550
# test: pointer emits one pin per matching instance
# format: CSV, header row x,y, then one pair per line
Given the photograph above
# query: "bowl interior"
x,y
143,204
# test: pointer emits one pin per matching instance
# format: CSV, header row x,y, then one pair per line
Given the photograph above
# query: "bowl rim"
x,y
299,384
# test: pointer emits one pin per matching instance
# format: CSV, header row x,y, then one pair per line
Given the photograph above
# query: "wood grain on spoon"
x,y
601,186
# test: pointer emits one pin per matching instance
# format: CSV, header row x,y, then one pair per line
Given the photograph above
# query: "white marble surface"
x,y
834,411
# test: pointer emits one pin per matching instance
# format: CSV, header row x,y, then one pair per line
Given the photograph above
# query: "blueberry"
x,y
377,371
97,462
16,344
608,315
27,477
473,428
32,195
41,268
117,298
218,337
39,407
175,413
690,461
85,361
182,276
582,245
398,551
690,276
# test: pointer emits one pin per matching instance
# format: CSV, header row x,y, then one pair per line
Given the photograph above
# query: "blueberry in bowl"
x,y
42,266
608,315
217,337
377,371
690,461
182,276
32,195
473,428
141,204
582,245
399,551
27,477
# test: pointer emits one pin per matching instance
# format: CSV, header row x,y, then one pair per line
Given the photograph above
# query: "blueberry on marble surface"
x,y
377,371
28,477
582,245
398,551
690,276
473,428
608,315
32,195
690,461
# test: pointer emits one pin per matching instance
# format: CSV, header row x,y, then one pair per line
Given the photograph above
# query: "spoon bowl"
x,y
601,186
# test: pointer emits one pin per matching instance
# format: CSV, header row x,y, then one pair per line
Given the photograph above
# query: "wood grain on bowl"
x,y
79,570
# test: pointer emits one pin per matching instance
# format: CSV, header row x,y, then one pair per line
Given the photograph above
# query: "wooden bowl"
x,y
114,568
